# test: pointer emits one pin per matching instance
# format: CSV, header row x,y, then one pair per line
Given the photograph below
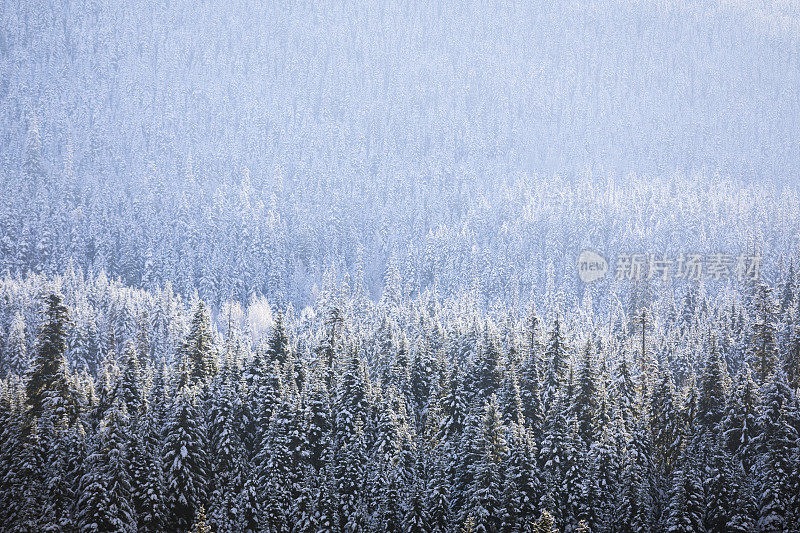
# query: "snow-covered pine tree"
x,y
555,366
585,404
106,502
185,461
198,348
49,374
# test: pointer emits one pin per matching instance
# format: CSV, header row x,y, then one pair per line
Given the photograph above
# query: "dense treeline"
x,y
239,148
504,237
405,415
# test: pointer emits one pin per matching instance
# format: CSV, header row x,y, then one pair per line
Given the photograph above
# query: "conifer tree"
x,y
777,442
624,389
278,343
762,341
555,366
198,347
741,428
585,404
712,393
485,500
531,395
185,461
509,398
685,511
106,503
48,377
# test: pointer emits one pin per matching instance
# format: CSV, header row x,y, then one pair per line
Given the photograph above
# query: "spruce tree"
x,y
106,500
585,403
741,420
555,366
485,500
712,393
762,341
278,343
185,461
198,347
531,395
48,377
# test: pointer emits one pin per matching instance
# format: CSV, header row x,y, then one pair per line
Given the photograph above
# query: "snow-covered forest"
x,y
314,266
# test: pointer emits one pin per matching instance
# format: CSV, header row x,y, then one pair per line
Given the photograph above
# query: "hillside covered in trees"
x,y
313,266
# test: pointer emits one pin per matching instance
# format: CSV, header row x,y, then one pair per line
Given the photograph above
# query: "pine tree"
x,y
544,524
227,452
487,377
421,384
555,366
604,468
278,343
454,407
636,505
624,389
712,394
509,398
185,462
33,165
415,519
665,424
485,500
201,522
585,403
531,395
106,503
131,382
685,511
350,476
48,377
555,456
523,486
198,347
762,342
726,504
16,350
438,497
318,423
777,442
741,420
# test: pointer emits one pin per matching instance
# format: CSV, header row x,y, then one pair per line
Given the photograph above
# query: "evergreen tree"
x,y
665,425
198,347
488,377
48,377
485,499
523,487
712,393
741,420
585,403
106,503
16,349
278,343
531,395
777,442
555,366
685,511
33,164
624,389
762,342
131,382
509,398
544,524
185,462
